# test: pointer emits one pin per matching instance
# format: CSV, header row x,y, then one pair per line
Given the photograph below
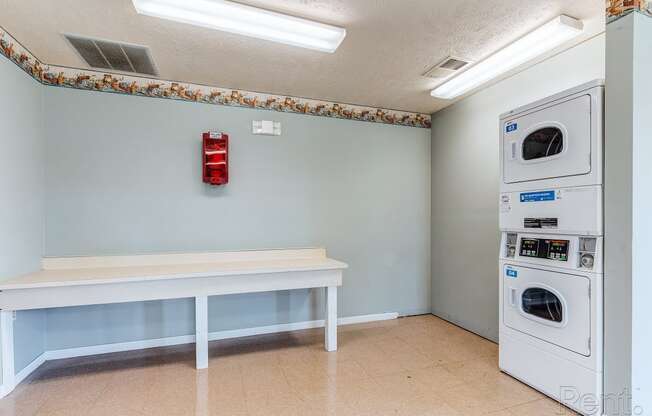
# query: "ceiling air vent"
x,y
446,68
107,54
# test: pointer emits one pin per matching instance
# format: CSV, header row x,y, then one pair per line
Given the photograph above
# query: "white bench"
x,y
76,281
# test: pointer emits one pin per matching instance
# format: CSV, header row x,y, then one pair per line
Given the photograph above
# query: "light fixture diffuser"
x,y
245,20
542,40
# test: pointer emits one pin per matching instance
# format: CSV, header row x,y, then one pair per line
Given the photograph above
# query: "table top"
x,y
123,269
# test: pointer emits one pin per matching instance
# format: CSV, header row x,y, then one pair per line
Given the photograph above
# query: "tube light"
x,y
544,39
244,20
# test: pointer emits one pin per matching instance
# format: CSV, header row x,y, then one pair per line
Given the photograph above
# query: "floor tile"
x,y
417,366
543,407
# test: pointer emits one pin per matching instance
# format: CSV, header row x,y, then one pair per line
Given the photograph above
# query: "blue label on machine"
x,y
538,196
511,273
511,127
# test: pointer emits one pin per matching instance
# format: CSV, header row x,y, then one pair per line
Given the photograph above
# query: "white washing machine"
x,y
551,219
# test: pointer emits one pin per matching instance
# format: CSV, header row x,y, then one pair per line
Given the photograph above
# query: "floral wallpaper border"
x,y
92,80
618,8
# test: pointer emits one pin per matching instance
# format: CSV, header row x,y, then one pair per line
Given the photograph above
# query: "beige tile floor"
x,y
418,366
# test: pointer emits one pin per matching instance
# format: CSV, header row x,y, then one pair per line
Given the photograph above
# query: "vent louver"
x,y
446,68
106,54
453,64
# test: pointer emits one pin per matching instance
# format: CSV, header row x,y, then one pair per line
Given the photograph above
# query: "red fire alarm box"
x,y
215,158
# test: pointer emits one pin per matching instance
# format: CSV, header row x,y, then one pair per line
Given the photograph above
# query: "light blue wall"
x,y
21,196
123,177
466,178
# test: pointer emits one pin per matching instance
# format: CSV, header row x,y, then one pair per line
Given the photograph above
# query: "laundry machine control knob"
x,y
587,261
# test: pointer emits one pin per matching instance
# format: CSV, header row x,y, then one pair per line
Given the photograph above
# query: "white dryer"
x,y
555,142
551,316
552,163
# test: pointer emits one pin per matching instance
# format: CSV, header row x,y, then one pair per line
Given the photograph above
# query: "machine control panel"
x,y
544,248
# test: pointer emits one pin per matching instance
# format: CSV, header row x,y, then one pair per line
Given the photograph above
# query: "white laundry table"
x,y
76,281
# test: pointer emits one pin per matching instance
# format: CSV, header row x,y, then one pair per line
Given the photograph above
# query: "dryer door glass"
x,y
543,304
545,142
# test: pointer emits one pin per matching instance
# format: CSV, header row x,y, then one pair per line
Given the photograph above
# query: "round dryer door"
x,y
552,306
552,142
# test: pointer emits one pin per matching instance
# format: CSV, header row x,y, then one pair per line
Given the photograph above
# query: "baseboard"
x,y
31,367
118,347
297,326
184,339
361,319
212,336
5,388
262,330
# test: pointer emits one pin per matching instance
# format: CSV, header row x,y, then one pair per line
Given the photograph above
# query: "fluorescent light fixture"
x,y
244,20
544,39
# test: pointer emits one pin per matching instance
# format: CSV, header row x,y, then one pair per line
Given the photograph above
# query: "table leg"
x,y
8,372
331,319
201,331
202,394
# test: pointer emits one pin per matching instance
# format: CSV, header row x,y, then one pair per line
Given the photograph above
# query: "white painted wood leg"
x,y
202,392
8,372
201,331
331,319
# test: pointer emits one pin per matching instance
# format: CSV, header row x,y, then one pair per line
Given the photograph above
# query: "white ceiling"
x,y
389,43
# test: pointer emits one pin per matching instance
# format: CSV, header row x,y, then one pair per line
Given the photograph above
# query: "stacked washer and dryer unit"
x,y
551,221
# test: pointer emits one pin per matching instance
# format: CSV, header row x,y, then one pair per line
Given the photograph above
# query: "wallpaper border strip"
x,y
618,8
91,80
